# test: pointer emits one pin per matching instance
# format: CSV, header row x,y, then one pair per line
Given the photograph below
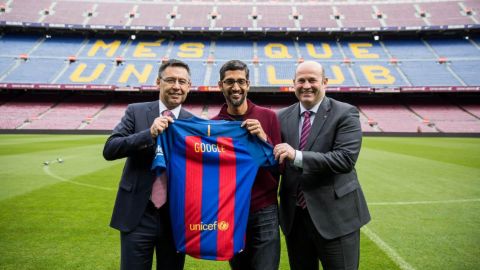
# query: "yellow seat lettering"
x,y
76,76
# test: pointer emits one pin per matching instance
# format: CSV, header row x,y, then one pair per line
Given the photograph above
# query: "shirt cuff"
x,y
298,161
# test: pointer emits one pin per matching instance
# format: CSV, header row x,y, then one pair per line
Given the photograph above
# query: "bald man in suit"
x,y
322,206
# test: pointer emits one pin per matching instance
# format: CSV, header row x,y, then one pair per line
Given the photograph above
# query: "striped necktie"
x,y
306,127
159,188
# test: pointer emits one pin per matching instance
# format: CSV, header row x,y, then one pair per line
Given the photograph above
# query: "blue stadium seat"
x,y
215,75
58,47
467,70
276,50
14,45
110,49
408,49
5,64
35,71
377,74
198,69
453,47
344,77
363,50
319,50
276,73
428,73
277,58
135,73
233,49
185,49
87,76
148,48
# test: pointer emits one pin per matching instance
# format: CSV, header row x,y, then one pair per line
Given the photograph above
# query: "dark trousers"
x,y
262,248
306,247
153,233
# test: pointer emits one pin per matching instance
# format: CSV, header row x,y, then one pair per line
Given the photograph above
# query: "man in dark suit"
x,y
322,206
144,222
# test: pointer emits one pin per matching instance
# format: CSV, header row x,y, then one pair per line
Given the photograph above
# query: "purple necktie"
x,y
306,127
159,188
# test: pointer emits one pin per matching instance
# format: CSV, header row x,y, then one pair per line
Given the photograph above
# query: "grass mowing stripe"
x,y
59,225
38,146
46,169
392,177
424,202
22,173
439,149
387,249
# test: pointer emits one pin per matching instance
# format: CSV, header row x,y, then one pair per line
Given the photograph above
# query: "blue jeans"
x,y
262,249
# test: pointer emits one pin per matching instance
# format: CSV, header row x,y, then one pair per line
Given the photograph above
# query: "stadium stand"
x,y
400,15
190,16
111,14
18,111
74,12
124,62
233,16
315,16
275,16
264,15
355,15
89,59
446,117
445,13
153,15
69,114
392,117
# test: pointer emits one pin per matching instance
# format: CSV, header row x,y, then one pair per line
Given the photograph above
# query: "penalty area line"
x,y
391,253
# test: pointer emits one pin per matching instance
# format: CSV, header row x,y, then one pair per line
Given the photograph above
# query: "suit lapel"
x,y
152,112
184,114
318,122
293,122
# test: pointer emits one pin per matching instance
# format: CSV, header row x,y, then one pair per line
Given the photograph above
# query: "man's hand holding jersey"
x,y
284,151
255,128
159,125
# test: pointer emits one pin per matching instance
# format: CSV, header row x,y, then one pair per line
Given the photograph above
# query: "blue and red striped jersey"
x,y
211,168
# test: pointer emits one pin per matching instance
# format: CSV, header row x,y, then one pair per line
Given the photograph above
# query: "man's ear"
x,y
325,81
158,81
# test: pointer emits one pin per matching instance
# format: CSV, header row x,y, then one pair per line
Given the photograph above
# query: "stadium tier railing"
x,y
206,88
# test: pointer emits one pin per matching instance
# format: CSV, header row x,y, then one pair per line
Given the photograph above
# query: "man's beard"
x,y
236,102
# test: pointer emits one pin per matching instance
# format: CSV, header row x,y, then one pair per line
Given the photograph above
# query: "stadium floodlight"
x,y
466,37
376,37
133,37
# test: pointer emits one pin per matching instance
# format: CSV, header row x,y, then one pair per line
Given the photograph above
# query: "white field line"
x,y
399,261
425,202
46,169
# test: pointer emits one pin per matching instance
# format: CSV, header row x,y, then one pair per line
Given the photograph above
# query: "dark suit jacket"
x,y
131,139
328,178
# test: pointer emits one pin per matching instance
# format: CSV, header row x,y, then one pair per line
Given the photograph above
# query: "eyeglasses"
x,y
172,81
231,82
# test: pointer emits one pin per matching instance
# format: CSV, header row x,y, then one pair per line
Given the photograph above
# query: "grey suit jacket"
x,y
131,139
334,198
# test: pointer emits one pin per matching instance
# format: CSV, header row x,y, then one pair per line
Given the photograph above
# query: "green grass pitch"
x,y
423,194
